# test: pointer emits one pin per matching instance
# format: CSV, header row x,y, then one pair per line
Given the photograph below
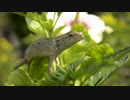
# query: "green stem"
x,y
47,35
55,21
76,17
61,60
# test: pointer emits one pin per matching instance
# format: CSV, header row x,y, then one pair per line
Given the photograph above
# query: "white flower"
x,y
93,23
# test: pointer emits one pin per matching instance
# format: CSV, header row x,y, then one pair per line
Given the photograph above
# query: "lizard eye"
x,y
70,35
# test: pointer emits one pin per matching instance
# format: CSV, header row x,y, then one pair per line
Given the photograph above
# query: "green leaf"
x,y
34,24
47,24
111,63
78,27
33,15
44,16
31,38
56,79
59,13
85,71
20,13
88,67
57,31
105,73
38,68
120,53
61,77
98,51
81,28
19,78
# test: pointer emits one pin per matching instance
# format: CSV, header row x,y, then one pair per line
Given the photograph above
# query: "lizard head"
x,y
67,40
73,37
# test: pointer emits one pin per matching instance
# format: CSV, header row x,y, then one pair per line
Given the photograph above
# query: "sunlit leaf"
x,y
34,26
57,31
98,51
19,78
38,68
44,16
115,61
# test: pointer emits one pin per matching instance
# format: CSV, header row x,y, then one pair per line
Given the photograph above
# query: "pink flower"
x,y
93,23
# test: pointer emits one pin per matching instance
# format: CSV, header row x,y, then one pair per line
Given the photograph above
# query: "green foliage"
x,y
119,39
84,64
6,54
38,68
86,71
19,78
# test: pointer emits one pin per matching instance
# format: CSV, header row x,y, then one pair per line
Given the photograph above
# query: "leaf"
x,y
31,38
57,30
105,73
57,79
44,16
120,53
78,27
85,71
88,67
33,23
33,15
114,61
98,51
19,78
47,24
20,13
34,26
62,76
38,68
81,28
59,13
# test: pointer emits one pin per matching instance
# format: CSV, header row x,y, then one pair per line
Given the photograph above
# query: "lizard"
x,y
51,47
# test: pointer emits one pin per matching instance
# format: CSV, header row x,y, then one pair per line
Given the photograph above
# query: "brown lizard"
x,y
50,47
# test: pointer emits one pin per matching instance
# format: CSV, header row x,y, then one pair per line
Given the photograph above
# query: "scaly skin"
x,y
50,47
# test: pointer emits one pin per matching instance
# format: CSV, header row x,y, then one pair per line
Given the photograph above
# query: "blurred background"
x,y
14,39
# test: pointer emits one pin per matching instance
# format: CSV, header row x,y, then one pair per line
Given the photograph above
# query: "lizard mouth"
x,y
81,35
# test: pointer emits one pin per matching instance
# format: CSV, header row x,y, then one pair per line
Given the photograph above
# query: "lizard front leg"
x,y
23,61
51,59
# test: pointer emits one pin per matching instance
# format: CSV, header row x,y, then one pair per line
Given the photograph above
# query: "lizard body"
x,y
50,47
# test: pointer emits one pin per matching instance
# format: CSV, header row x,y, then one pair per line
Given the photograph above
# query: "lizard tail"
x,y
20,64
